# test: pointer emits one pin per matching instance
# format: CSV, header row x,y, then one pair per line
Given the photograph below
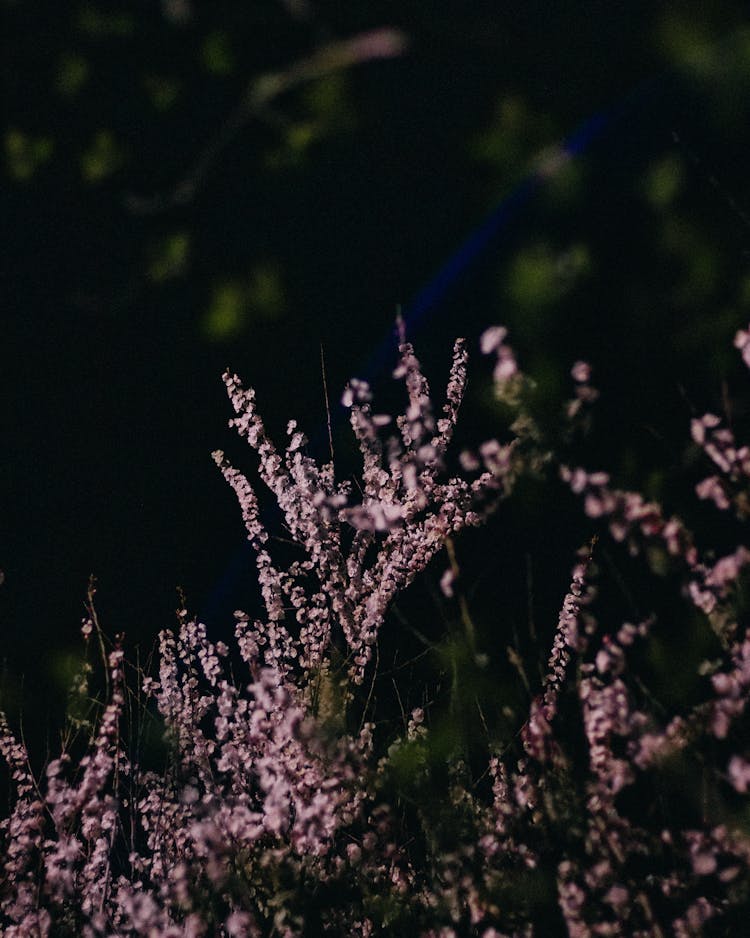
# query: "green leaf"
x,y
100,25
102,159
169,257
24,154
162,91
72,74
217,55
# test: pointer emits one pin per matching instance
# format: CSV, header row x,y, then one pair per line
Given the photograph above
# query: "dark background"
x,y
606,143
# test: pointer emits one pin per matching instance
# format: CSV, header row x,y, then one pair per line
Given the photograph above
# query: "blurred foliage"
x,y
511,145
538,276
663,181
157,137
326,110
101,158
216,54
104,24
163,91
72,75
169,256
25,154
236,303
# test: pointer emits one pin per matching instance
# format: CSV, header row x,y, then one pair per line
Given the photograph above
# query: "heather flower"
x,y
738,771
711,489
720,446
506,367
405,514
446,583
584,393
289,807
742,342
581,372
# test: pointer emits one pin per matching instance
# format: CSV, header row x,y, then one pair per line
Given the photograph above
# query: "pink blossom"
x,y
581,372
492,338
738,771
742,342
289,806
711,489
446,583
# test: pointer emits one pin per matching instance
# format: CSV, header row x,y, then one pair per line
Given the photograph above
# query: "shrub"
x,y
290,801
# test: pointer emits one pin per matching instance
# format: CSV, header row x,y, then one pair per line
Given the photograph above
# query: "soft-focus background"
x,y
188,185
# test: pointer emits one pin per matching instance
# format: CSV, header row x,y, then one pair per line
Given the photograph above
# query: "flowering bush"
x,y
290,802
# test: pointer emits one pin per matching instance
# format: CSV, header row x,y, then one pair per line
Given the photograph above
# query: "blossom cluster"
x,y
289,804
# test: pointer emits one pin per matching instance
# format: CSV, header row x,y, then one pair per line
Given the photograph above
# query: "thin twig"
x,y
468,622
91,609
328,406
256,102
372,687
